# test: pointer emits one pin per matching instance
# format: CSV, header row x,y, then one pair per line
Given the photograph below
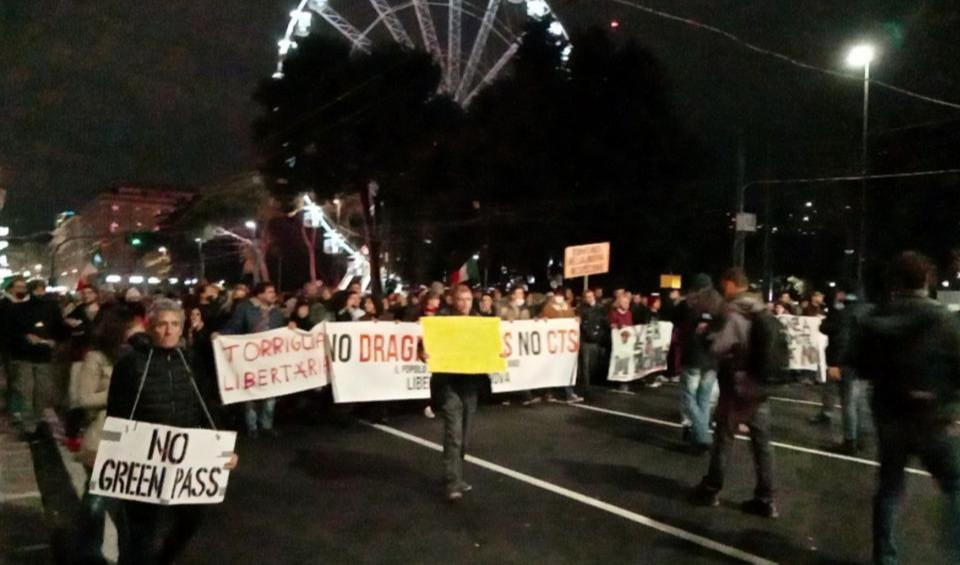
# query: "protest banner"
x,y
639,351
161,464
270,364
807,345
373,361
540,354
466,345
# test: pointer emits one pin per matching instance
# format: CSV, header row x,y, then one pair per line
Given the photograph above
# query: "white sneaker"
x,y
428,412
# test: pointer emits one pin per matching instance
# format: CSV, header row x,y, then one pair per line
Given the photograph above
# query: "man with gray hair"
x,y
155,383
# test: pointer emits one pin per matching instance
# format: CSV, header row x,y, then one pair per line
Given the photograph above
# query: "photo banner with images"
x,y
808,347
638,351
270,364
161,464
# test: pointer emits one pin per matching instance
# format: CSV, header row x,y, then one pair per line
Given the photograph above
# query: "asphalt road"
x,y
604,482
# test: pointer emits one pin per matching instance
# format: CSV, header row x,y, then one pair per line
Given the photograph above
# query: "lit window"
x,y
114,226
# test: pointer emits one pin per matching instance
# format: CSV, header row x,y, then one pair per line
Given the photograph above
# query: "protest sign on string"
x,y
638,351
161,464
540,354
807,345
269,364
373,361
465,345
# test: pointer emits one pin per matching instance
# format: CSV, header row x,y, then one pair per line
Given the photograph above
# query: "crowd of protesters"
x,y
102,352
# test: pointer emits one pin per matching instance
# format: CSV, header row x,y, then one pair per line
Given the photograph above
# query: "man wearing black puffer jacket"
x,y
154,383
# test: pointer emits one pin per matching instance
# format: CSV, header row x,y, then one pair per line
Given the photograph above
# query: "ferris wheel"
x,y
471,42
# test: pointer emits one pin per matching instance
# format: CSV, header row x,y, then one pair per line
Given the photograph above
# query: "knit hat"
x,y
700,282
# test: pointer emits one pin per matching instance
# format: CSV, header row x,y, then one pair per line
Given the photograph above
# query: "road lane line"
x,y
584,499
781,445
4,497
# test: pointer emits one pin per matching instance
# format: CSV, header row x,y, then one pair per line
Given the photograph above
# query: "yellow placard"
x,y
671,281
463,345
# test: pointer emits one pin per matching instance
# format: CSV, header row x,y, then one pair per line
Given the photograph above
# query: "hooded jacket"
x,y
740,392
910,349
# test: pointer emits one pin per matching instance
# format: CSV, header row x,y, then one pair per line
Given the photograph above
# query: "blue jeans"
x,y
267,408
938,446
696,387
853,395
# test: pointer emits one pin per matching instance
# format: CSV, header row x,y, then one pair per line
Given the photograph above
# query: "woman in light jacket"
x,y
114,329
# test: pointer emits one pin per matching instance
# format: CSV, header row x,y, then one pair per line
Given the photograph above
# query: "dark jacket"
x,y
168,396
840,327
248,318
700,307
594,324
40,317
910,349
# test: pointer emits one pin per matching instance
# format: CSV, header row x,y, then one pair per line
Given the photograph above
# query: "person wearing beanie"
x,y
695,317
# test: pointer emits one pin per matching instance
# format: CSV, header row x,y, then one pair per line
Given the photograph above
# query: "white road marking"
x,y
19,496
797,401
584,499
746,438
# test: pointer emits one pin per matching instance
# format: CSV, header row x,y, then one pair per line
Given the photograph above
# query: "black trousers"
x,y
155,535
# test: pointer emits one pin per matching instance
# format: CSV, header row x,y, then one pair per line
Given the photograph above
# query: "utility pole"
x,y
740,237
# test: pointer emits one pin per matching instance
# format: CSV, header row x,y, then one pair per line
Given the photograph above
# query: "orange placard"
x,y
586,260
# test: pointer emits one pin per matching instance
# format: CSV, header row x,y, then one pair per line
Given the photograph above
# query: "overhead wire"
x,y
771,53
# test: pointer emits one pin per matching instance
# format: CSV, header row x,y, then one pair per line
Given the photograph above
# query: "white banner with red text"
x,y
378,361
270,364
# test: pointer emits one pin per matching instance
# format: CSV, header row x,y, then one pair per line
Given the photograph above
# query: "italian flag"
x,y
468,271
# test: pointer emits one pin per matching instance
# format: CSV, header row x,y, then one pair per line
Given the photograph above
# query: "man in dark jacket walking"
x,y
156,384
910,349
742,400
840,327
594,335
457,397
35,328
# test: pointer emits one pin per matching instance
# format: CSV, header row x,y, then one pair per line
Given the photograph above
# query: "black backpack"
x,y
769,353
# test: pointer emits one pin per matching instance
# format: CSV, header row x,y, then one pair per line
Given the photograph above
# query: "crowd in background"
x,y
66,354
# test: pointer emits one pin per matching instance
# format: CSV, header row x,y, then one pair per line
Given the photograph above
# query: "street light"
x,y
250,225
861,56
203,267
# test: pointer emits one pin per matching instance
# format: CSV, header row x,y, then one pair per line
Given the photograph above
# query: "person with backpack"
x,y
750,349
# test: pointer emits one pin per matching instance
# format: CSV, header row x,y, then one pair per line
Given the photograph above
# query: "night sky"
x,y
97,93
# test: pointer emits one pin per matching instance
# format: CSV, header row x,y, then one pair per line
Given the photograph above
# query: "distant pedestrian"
x,y
258,314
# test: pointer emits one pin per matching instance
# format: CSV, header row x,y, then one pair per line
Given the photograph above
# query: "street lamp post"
x,y
862,56
203,269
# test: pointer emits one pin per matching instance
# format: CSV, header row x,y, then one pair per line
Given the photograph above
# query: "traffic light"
x,y
136,239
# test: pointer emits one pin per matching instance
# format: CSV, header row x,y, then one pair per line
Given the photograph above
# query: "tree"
x,y
340,121
590,150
